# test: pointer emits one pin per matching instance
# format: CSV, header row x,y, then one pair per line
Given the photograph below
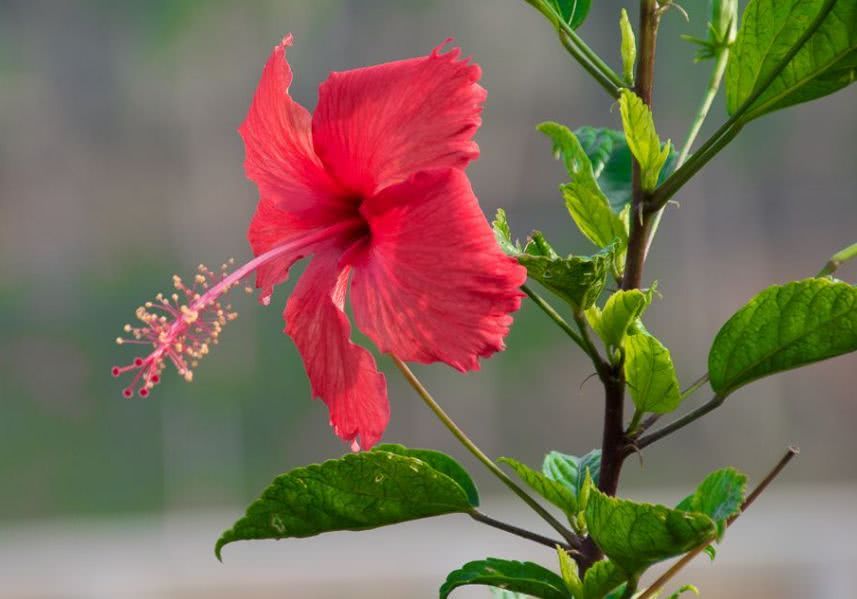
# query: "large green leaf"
x,y
621,310
578,280
440,462
769,30
517,577
637,535
356,492
719,496
650,374
556,492
601,578
571,470
784,327
611,163
642,138
585,201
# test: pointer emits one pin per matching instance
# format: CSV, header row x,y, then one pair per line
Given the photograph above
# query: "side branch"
x,y
646,440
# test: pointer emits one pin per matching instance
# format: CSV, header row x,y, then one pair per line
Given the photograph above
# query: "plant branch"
x,y
736,122
521,532
572,539
693,416
581,52
695,386
702,113
656,586
837,260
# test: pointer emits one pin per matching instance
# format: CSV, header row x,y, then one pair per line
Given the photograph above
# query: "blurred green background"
x,y
120,165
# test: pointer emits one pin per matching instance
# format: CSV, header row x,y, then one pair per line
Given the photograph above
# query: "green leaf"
x,y
573,12
784,327
637,535
650,374
826,63
557,493
629,47
622,310
642,138
570,574
440,462
603,577
579,280
611,163
719,496
571,470
357,492
586,203
517,577
503,234
688,588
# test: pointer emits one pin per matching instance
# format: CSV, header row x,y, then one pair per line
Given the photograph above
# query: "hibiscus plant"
x,y
371,188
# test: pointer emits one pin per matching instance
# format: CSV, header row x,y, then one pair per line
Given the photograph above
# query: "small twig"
x,y
837,260
714,403
695,386
521,532
572,539
686,558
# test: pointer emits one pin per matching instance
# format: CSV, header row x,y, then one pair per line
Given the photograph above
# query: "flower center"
x,y
182,327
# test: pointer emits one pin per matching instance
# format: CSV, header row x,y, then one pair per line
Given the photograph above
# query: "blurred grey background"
x,y
120,165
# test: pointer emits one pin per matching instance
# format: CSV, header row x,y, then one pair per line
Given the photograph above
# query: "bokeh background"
x,y
120,165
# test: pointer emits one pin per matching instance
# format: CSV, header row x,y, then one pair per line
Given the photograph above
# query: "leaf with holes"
x,y
784,327
357,492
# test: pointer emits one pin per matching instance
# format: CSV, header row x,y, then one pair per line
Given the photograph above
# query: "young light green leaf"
x,y
357,492
578,280
517,577
629,47
557,493
650,374
688,588
642,138
440,462
586,203
719,496
573,12
826,63
503,234
637,535
602,578
611,163
571,470
622,309
784,327
570,574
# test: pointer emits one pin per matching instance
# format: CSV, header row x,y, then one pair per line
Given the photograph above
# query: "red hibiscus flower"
x,y
372,187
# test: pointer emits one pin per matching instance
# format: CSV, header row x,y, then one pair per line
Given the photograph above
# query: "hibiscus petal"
x,y
297,194
378,125
432,283
342,374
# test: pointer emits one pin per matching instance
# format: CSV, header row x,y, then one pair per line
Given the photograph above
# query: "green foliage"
x,y
440,462
571,470
556,492
570,573
572,12
719,496
357,492
722,29
578,280
826,63
622,310
650,374
637,535
642,138
629,47
585,201
503,234
611,163
517,577
602,578
784,327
